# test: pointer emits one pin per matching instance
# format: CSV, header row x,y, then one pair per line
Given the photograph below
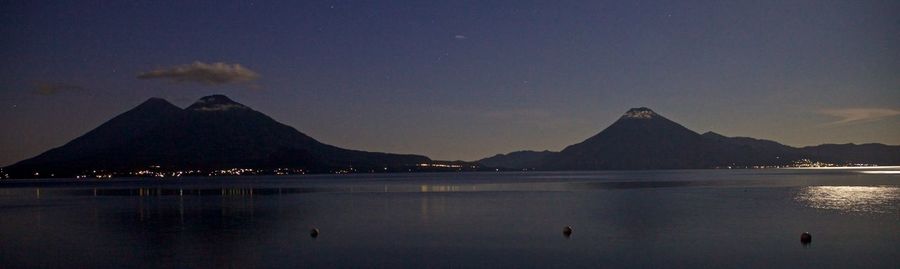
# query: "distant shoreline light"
x,y
848,167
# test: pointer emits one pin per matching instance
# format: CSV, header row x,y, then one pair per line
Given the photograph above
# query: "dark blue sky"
x,y
462,79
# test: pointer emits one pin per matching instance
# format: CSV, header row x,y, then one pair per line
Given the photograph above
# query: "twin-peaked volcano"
x,y
214,132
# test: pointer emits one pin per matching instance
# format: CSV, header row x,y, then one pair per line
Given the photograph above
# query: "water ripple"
x,y
870,199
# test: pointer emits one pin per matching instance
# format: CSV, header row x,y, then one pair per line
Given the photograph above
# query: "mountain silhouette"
x,y
216,132
213,133
643,139
639,139
525,159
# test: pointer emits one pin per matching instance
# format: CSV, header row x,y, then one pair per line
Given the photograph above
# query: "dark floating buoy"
x,y
805,238
314,233
567,231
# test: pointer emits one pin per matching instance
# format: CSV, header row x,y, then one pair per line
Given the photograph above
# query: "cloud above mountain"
x,y
53,88
218,73
858,115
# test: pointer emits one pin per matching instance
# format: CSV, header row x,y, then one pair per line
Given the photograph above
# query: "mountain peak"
x,y
713,135
216,102
640,113
156,103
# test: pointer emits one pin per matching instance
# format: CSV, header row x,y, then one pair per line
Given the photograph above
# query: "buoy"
x,y
567,231
314,232
805,238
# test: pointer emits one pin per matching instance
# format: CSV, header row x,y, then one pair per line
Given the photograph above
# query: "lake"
x,y
670,219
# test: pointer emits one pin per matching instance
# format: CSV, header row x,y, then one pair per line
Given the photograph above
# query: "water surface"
x,y
685,218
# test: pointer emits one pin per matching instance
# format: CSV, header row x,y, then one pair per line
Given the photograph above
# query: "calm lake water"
x,y
672,219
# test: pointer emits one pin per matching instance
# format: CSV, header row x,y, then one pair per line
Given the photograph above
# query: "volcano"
x,y
213,133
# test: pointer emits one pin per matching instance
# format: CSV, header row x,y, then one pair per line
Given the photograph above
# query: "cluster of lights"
x,y
345,171
288,171
810,163
766,166
233,172
440,165
802,163
162,174
249,171
97,176
155,172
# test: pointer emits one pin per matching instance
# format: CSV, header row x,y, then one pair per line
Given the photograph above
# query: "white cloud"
x,y
200,72
857,115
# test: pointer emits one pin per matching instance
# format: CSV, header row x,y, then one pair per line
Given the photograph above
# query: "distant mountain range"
x,y
213,133
217,133
643,139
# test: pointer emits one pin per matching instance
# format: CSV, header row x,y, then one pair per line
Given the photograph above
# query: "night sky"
x,y
462,79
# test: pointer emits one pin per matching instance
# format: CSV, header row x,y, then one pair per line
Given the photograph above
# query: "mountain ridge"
x,y
213,133
216,132
644,139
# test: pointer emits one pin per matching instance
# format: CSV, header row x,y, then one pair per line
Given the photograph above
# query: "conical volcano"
x,y
639,139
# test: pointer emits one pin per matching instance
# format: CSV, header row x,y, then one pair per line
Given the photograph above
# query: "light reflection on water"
x,y
872,199
886,172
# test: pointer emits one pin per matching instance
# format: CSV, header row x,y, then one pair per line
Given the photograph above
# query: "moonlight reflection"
x,y
872,199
